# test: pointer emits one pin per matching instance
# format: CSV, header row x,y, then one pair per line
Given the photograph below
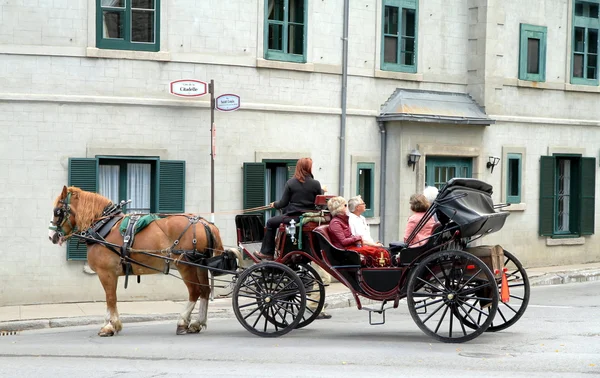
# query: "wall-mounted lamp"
x,y
492,162
413,158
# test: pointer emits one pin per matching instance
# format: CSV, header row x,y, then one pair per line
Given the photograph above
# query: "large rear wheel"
x,y
444,291
269,299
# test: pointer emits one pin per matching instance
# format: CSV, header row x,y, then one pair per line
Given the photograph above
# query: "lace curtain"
x,y
138,187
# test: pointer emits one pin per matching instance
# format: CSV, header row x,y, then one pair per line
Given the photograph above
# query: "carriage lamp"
x,y
291,230
492,162
413,158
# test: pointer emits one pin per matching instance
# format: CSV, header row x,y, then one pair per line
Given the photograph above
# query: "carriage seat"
x,y
407,253
338,258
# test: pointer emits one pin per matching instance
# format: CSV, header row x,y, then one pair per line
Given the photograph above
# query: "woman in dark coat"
x,y
298,197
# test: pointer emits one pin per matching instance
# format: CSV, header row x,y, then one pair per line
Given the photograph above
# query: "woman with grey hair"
x,y
342,238
358,223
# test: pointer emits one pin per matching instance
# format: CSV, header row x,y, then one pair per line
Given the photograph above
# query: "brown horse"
x,y
77,210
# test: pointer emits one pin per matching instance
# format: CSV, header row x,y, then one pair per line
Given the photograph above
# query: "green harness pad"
x,y
142,223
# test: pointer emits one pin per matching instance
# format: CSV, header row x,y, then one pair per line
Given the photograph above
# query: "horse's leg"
x,y
112,323
204,294
185,324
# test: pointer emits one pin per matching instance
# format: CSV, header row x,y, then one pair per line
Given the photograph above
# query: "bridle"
x,y
63,215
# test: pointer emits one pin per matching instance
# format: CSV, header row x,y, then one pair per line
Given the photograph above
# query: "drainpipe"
x,y
344,96
382,164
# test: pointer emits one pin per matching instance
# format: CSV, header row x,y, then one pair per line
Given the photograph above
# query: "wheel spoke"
x,y
428,304
441,319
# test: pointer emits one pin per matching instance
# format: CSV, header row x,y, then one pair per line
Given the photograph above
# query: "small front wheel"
x,y
269,299
447,290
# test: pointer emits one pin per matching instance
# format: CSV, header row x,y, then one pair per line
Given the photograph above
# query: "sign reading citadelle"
x,y
188,88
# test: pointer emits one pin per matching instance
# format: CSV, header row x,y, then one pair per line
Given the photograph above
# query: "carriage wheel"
x,y
444,290
269,299
518,283
315,293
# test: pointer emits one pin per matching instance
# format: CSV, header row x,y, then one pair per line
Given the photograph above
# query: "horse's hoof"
x,y
181,330
105,333
193,330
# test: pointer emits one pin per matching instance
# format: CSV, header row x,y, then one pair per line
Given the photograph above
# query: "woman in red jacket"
x,y
342,238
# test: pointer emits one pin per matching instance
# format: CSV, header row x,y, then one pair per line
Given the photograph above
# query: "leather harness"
x,y
112,214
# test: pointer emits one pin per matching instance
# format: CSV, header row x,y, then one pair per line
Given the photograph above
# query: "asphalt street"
x,y
559,336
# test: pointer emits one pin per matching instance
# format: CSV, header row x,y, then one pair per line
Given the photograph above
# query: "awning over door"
x,y
433,106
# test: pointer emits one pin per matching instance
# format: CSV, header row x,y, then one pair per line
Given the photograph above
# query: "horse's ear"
x,y
64,192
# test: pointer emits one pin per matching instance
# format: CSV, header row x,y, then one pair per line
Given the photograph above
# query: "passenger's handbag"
x,y
226,261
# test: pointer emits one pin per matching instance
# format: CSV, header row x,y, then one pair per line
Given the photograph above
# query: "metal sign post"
x,y
211,89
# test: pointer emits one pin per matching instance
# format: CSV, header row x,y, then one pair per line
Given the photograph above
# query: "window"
x,y
285,30
128,24
152,184
399,37
366,186
532,54
264,182
584,62
567,195
438,170
513,178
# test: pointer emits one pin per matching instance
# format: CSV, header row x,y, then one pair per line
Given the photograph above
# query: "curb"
x,y
333,301
565,277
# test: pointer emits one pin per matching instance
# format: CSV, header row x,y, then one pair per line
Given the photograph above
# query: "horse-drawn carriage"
x,y
454,291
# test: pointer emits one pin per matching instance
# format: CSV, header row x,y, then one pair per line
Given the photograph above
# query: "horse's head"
x,y
63,218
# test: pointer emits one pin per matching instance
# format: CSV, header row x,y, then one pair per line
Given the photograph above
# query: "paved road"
x,y
559,336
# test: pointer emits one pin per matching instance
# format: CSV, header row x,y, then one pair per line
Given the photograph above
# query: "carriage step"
x,y
378,311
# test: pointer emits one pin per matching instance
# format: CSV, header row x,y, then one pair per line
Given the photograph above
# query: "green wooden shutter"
x,y
254,185
83,173
588,191
171,186
547,185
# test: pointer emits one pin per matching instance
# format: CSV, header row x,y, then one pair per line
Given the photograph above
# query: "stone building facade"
x,y
88,81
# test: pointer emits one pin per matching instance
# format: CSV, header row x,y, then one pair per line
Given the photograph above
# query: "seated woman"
x,y
298,196
342,238
419,205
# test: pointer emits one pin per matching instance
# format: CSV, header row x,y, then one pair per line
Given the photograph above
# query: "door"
x,y
438,170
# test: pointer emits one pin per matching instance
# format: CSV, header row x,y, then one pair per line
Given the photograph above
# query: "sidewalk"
x,y
18,318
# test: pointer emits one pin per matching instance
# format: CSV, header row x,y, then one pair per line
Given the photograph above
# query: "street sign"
x,y
188,88
227,102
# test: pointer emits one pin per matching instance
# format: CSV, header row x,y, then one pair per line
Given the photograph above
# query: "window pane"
x,y
578,65
513,177
390,52
391,21
390,49
592,67
407,54
113,24
408,22
108,182
295,39
275,37
113,3
592,46
578,8
564,191
364,186
142,26
276,10
594,10
533,53
579,39
138,187
143,4
296,11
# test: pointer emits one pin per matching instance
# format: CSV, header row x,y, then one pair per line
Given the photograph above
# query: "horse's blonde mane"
x,y
89,208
